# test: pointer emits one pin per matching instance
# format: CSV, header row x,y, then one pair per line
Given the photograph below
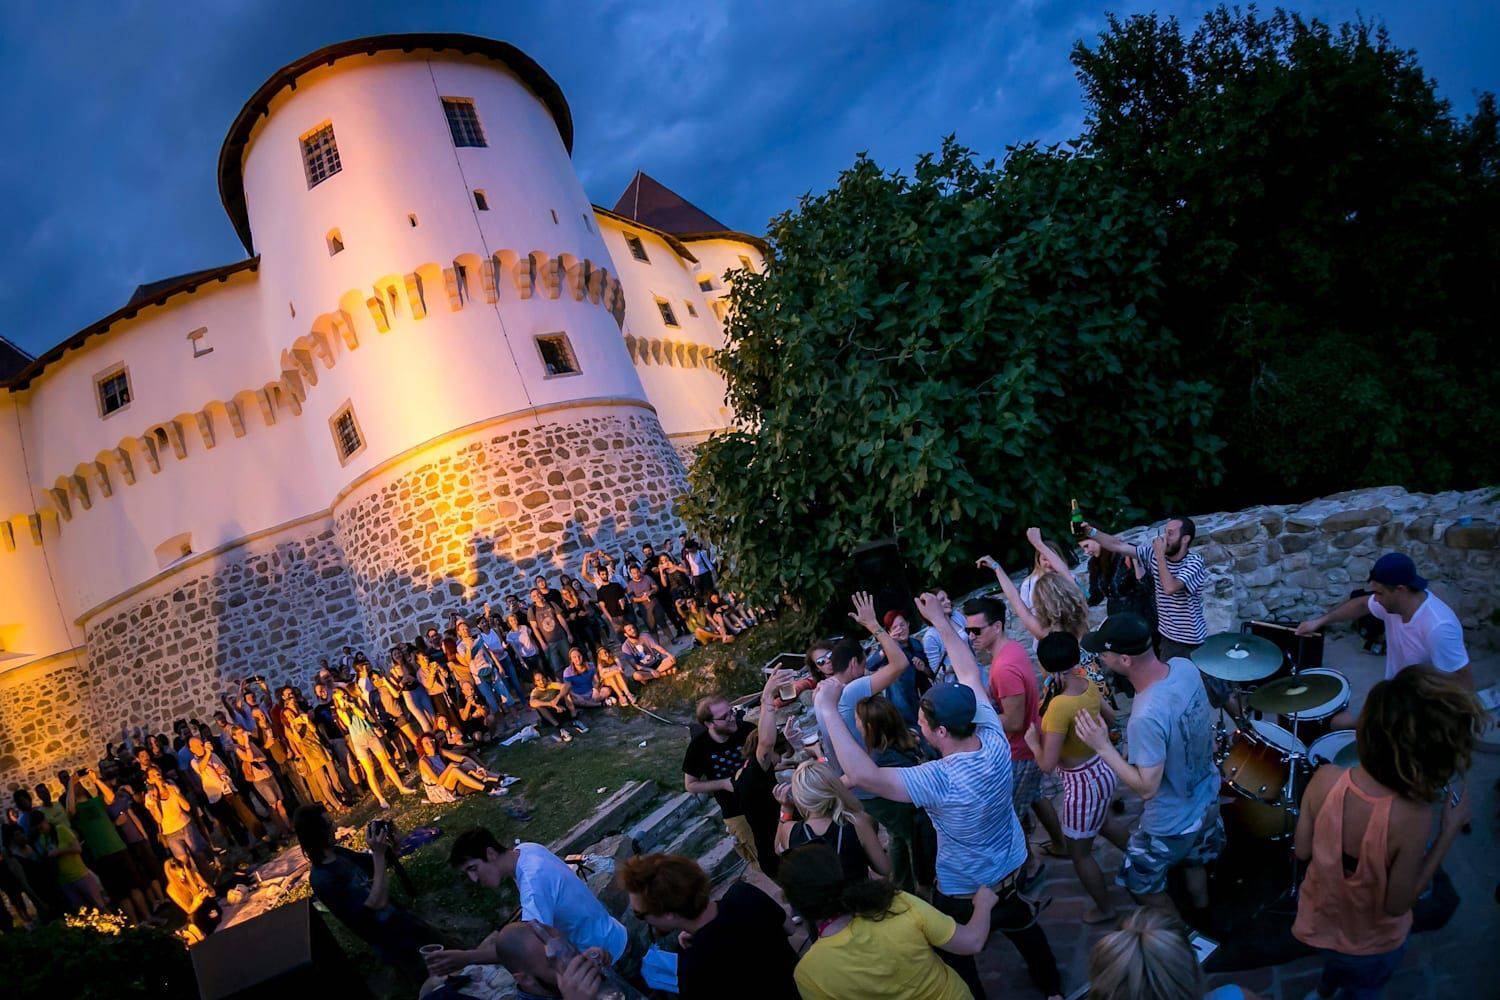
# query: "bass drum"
x,y
1255,819
1261,759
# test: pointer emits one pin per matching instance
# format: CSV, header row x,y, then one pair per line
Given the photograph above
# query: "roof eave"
x,y
674,242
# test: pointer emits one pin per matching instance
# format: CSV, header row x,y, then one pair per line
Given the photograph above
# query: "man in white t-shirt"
x,y
1420,629
551,893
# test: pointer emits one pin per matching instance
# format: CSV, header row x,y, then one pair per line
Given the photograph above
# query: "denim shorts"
x,y
1149,856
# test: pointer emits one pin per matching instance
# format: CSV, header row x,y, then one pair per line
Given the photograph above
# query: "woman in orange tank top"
x,y
1364,830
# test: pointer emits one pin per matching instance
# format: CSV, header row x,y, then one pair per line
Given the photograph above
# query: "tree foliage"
x,y
945,358
1330,263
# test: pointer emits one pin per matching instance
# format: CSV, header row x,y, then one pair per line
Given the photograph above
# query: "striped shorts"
x,y
1087,790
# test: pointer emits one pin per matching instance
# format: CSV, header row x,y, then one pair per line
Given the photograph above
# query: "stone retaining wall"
x,y
1293,561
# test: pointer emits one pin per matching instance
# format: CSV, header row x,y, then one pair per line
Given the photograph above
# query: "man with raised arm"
x,y
967,793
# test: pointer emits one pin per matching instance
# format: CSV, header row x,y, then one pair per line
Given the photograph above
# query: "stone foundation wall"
x,y
273,606
480,517
1291,562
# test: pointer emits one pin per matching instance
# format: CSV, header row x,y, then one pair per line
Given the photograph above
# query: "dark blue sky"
x,y
116,111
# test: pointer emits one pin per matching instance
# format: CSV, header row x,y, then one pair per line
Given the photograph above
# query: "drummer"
x,y
1420,629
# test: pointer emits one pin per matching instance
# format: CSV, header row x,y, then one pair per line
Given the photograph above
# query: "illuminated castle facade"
x,y
439,371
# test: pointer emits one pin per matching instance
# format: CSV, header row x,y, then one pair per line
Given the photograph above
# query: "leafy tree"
x,y
946,358
1332,250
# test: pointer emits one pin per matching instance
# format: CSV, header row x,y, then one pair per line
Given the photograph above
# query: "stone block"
x,y
1421,529
1347,520
1295,543
1475,535
1240,531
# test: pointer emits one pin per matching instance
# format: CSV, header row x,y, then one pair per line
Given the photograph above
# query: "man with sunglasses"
x,y
712,760
967,794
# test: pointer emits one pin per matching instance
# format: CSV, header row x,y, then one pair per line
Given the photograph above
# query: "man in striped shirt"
x,y
1179,578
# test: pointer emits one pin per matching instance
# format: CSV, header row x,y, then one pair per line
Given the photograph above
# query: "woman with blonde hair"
x,y
612,677
1150,958
1366,831
831,815
194,897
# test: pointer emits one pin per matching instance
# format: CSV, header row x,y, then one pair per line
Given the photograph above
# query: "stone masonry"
x,y
483,516
1291,562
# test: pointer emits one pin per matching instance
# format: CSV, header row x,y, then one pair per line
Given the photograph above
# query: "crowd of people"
x,y
893,833
158,819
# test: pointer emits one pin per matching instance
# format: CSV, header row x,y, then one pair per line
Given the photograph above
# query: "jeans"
x,y
913,842
1359,977
557,656
1030,940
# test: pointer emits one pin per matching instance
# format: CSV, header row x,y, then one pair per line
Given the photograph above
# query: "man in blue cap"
x,y
1420,629
967,794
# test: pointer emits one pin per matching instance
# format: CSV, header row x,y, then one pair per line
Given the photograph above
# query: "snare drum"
x,y
1317,721
1337,747
1261,759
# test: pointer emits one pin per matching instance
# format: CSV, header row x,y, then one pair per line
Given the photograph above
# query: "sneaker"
x,y
567,737
508,780
496,793
580,726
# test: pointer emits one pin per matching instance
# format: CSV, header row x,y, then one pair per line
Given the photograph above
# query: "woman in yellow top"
x,y
873,940
1088,782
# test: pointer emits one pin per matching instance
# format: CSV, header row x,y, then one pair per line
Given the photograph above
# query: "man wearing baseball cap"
x,y
967,794
1171,764
1420,629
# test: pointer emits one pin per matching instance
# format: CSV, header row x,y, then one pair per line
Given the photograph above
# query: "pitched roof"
x,y
12,359
649,201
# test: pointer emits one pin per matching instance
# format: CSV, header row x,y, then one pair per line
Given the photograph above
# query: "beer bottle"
x,y
1077,521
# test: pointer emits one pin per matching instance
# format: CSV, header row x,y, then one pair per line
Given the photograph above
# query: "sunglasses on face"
x,y
727,717
820,660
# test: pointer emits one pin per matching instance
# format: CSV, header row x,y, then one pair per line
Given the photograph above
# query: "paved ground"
x,y
1451,962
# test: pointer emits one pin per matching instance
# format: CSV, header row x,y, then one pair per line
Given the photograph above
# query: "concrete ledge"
x,y
607,818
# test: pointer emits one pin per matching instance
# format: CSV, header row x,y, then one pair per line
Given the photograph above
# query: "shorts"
x,y
363,741
118,873
83,892
1087,790
1148,857
1029,785
182,842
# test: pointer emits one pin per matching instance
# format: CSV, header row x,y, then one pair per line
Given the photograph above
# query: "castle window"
x,y
667,315
745,263
461,279
637,248
557,355
320,155
691,310
174,548
348,441
335,242
463,122
113,389
411,217
481,200
587,226
196,338
705,284
554,215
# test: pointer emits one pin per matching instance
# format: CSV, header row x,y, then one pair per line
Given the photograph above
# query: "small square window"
x,y
463,122
335,242
197,338
320,155
705,284
667,315
411,218
745,263
557,355
348,440
481,200
637,248
114,390
691,310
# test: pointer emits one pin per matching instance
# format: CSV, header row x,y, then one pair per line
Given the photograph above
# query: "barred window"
x,y
667,315
347,439
320,155
637,248
463,122
114,392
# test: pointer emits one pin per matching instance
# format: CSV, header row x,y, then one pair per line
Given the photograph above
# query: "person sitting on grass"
x,y
612,679
451,772
644,657
194,897
873,939
550,893
706,627
553,702
582,679
475,719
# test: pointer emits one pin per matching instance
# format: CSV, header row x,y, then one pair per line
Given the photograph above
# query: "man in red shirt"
x,y
1017,697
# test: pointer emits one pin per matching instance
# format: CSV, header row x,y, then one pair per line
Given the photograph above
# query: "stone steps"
x,y
696,836
720,861
610,816
664,822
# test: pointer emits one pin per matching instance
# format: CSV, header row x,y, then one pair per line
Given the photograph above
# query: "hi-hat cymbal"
x,y
1297,693
1237,656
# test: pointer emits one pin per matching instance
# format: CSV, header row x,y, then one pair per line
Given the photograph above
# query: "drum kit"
x,y
1282,729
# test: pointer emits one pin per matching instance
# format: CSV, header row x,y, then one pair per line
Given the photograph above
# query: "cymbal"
x,y
1297,693
1236,656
